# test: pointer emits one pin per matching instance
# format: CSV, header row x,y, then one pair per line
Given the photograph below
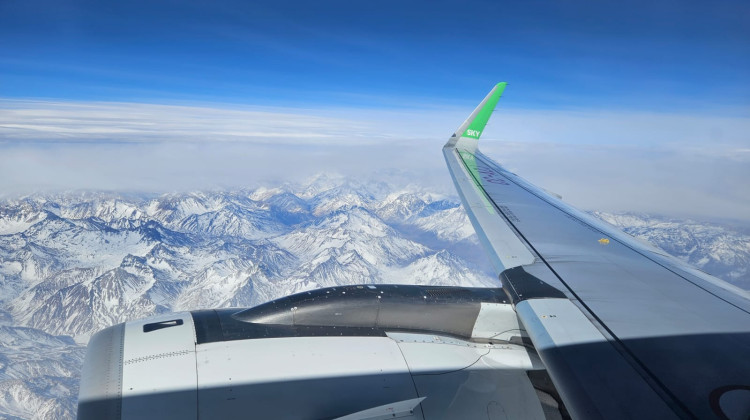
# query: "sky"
x,y
625,106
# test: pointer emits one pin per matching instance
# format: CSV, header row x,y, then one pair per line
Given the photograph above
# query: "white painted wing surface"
x,y
625,330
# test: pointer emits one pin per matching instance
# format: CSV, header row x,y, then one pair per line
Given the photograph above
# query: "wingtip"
x,y
468,134
501,86
481,115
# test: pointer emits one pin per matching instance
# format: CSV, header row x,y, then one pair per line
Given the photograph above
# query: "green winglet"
x,y
477,124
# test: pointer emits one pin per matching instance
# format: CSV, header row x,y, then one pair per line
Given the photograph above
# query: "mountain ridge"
x,y
73,264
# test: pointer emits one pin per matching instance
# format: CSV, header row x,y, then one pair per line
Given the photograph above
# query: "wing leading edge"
x,y
624,329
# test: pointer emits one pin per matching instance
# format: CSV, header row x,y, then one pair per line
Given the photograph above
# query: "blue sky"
x,y
614,105
652,54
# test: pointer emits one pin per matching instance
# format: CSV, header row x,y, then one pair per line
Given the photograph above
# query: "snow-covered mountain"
x,y
719,249
72,264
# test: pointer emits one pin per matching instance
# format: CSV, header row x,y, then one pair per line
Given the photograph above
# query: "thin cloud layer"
x,y
103,122
687,165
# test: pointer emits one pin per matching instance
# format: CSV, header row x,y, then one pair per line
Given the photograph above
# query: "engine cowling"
x,y
354,352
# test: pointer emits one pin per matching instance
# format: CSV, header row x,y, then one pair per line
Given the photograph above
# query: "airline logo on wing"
x,y
472,133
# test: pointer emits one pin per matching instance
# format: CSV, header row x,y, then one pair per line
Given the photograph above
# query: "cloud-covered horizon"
x,y
613,160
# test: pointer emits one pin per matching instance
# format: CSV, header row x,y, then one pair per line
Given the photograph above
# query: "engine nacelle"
x,y
354,352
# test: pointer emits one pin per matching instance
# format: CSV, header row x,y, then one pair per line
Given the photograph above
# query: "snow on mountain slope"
x,y
720,250
354,230
71,264
19,218
440,268
38,374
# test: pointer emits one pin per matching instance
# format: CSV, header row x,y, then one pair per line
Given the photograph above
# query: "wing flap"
x,y
567,343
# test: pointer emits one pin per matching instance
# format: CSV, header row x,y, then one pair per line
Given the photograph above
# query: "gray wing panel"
x,y
504,247
687,335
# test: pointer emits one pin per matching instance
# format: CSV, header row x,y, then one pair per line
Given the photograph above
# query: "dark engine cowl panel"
x,y
353,310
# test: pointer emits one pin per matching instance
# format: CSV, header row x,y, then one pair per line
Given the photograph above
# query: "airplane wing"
x,y
624,330
589,323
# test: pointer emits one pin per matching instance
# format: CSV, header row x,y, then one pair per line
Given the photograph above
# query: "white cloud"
x,y
613,178
729,128
147,123
677,164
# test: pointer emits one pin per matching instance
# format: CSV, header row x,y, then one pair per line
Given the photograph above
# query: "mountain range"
x,y
74,263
